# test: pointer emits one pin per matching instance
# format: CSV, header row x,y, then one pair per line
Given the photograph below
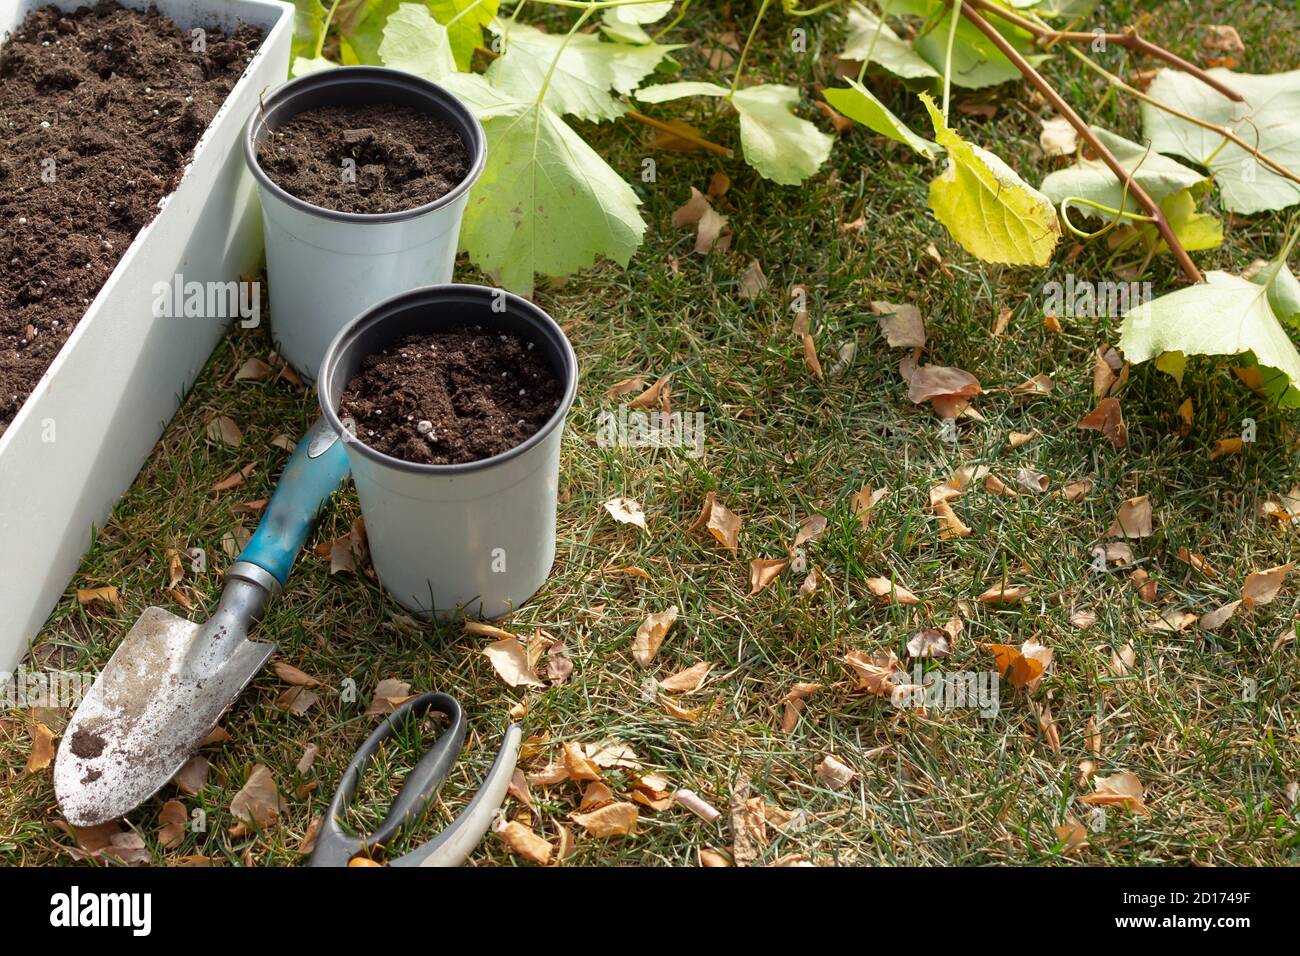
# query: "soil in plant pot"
x,y
401,157
99,112
451,397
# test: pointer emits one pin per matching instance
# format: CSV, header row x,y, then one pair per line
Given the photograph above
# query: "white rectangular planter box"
x,y
122,373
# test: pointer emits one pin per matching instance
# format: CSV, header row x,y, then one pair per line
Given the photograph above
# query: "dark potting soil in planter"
x,y
451,397
99,112
401,157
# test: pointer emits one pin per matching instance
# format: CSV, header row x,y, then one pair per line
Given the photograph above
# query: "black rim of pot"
x,y
323,89
430,305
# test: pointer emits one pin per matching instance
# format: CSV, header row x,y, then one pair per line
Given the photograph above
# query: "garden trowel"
x,y
170,680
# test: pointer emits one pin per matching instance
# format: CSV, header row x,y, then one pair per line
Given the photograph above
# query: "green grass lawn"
x,y
1207,721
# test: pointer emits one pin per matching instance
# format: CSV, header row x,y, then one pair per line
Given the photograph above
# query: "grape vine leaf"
x,y
362,31
585,69
547,203
417,43
1283,291
783,147
1224,315
1171,184
990,210
308,25
302,65
869,36
627,24
465,20
858,104
1268,119
976,62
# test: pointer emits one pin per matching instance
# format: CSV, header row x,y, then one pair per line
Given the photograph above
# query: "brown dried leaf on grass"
x,y
1261,587
1219,616
1122,789
1004,593
41,754
172,819
1022,666
223,429
253,370
390,694
947,389
710,226
626,511
720,521
902,324
753,283
763,571
1108,419
614,820
650,635
258,804
1133,520
510,660
525,843
688,680
863,502
234,479
834,773
106,596
657,395
875,672
891,592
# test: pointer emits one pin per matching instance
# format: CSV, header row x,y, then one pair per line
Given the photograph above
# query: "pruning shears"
x,y
454,844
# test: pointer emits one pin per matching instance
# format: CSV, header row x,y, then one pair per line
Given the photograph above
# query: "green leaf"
x,y
781,146
546,202
308,24
417,43
627,24
1092,179
1270,118
990,210
586,69
1283,291
859,105
976,62
302,65
363,31
887,49
1224,315
465,20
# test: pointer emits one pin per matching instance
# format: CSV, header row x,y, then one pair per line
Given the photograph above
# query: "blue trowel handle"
x,y
315,470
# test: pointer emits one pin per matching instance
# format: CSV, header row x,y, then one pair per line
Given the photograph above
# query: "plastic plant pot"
x,y
325,267
476,538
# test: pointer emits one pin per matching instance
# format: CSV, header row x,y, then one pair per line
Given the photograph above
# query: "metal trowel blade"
x,y
144,717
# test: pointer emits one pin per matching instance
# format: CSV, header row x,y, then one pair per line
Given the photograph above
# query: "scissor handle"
x,y
336,848
456,841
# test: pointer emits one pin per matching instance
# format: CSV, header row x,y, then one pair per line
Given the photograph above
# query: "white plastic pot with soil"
x,y
466,390
89,418
357,206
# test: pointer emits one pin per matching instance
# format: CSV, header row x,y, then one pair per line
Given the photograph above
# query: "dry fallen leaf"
x,y
615,820
1133,519
953,527
1224,447
193,775
656,395
753,283
1059,137
1118,790
106,595
525,842
1003,594
258,803
626,511
862,503
172,820
710,226
650,635
875,673
1108,419
1032,481
687,680
763,571
1261,587
928,642
1222,38
253,370
677,711
1021,666
1083,619
697,805
509,659
902,324
941,385
835,774
223,429
719,521
42,752
577,765
390,694
291,675
891,592
1077,490
1219,616
1073,835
